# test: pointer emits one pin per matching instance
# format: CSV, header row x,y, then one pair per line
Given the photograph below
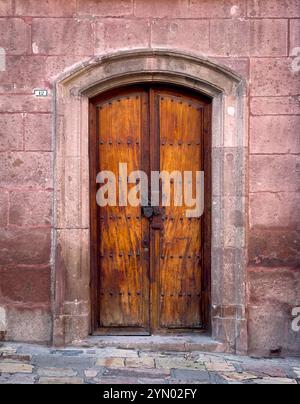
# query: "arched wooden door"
x,y
149,274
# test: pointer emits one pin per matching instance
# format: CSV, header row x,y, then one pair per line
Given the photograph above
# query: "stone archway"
x,y
71,252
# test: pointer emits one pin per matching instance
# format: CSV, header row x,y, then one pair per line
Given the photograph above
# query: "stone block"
x,y
102,8
54,36
77,281
260,38
219,367
17,103
275,106
38,132
49,8
111,362
76,328
16,357
235,231
190,376
177,363
273,247
28,325
56,372
21,246
7,367
26,170
153,381
137,373
73,192
274,77
270,328
231,331
263,368
143,363
228,162
23,74
173,34
11,132
6,8
60,380
18,378
15,36
237,377
26,285
116,380
227,272
275,380
273,8
275,210
32,208
235,129
238,65
274,173
275,135
159,9
114,34
217,8
55,66
274,286
80,363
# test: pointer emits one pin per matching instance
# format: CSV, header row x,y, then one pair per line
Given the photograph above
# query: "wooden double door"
x,y
150,266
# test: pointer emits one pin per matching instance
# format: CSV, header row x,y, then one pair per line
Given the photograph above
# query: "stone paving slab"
x,y
18,379
56,372
190,376
32,364
14,367
178,363
60,380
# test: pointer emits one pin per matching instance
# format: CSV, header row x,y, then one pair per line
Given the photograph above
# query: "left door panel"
x,y
123,138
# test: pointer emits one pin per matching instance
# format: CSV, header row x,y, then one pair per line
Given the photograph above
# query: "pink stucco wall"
x,y
256,38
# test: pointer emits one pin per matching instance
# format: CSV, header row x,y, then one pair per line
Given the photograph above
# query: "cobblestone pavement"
x,y
31,364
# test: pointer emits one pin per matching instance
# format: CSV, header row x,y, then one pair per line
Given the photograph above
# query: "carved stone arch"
x,y
71,252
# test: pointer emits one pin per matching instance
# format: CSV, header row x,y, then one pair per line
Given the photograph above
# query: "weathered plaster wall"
x,y
256,38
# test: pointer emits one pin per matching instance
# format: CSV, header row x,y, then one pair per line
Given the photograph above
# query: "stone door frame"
x,y
71,240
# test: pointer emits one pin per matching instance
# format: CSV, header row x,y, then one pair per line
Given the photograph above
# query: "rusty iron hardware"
x,y
145,243
157,226
150,211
